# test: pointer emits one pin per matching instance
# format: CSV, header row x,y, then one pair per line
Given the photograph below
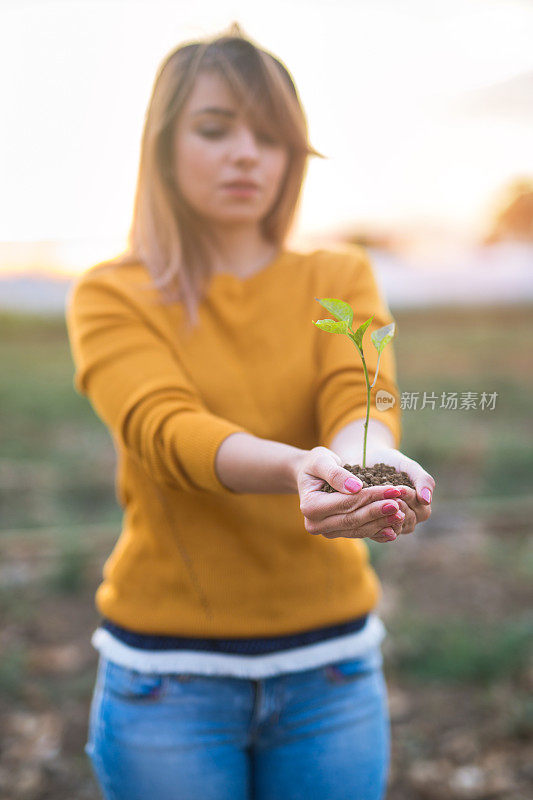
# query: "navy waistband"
x,y
242,646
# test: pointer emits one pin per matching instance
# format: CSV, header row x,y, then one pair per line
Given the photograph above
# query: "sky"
x,y
403,97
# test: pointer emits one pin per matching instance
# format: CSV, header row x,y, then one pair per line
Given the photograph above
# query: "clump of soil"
x,y
379,475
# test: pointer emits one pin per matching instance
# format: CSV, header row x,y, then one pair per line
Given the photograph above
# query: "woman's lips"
x,y
241,189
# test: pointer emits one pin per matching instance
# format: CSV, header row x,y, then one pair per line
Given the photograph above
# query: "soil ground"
x,y
461,728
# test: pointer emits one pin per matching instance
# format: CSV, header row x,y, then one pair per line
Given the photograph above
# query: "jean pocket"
x,y
131,684
352,669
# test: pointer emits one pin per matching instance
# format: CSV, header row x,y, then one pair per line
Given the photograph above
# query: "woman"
x,y
239,652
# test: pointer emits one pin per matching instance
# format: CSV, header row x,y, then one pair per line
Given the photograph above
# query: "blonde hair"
x,y
166,235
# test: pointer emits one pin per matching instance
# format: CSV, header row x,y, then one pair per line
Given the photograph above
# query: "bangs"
x,y
263,89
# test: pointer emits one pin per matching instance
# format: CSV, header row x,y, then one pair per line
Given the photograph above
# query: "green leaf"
x,y
358,335
330,326
382,336
338,308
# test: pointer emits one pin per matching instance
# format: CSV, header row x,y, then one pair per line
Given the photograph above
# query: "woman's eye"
x,y
218,133
266,138
212,133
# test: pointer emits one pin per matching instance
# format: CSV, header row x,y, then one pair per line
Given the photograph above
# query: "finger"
x,y
421,512
324,466
362,522
411,498
393,492
384,536
410,519
318,506
376,532
384,530
378,512
390,491
424,485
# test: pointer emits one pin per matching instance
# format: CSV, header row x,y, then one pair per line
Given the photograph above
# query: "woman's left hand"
x,y
415,503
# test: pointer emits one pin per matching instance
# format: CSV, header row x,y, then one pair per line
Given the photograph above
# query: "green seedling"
x,y
380,338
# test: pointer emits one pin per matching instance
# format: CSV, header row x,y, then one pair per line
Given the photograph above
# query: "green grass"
x,y
470,452
57,460
68,573
515,560
66,688
15,605
13,671
518,723
508,465
457,651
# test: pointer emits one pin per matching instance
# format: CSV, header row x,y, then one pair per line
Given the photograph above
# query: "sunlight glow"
x,y
381,83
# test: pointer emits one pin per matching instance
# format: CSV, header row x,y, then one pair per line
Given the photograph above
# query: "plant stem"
x,y
367,408
368,387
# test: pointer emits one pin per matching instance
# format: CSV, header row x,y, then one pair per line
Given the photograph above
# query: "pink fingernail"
x,y
426,494
389,533
388,494
353,484
390,508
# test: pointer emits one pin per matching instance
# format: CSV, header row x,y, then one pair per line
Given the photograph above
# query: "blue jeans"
x,y
319,734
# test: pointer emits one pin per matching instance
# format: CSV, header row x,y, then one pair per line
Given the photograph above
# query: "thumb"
x,y
352,484
340,479
344,481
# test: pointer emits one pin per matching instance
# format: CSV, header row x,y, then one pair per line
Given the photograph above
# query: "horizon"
x,y
68,258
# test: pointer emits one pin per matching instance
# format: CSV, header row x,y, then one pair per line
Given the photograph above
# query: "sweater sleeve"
x,y
341,388
139,389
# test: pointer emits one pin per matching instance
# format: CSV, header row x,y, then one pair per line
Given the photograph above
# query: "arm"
x,y
139,388
248,464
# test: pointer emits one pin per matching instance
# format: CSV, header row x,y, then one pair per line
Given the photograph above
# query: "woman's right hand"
x,y
369,512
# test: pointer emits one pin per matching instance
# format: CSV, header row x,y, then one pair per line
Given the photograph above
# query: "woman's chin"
x,y
235,220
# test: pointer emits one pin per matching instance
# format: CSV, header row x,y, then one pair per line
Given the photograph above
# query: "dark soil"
x,y
379,475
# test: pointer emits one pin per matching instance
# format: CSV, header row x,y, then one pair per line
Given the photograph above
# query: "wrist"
x,y
348,442
294,464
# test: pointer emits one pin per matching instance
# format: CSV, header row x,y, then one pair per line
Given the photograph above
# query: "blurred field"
x,y
455,594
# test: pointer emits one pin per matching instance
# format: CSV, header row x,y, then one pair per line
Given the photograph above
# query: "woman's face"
x,y
229,173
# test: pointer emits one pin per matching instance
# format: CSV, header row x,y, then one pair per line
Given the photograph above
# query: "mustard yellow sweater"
x,y
195,558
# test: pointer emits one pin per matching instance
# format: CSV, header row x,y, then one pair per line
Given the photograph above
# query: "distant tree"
x,y
380,239
513,218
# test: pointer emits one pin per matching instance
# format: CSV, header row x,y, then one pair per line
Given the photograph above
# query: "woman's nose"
x,y
245,144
